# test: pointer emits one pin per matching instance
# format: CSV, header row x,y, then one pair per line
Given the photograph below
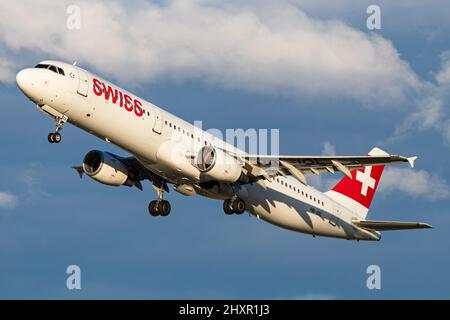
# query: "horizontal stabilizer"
x,y
390,225
80,171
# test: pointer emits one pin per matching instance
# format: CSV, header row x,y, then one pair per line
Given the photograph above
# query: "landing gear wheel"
x,y
159,207
54,137
164,208
227,208
238,206
153,208
57,137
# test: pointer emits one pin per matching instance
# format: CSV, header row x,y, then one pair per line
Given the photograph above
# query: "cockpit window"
x,y
42,66
50,67
53,68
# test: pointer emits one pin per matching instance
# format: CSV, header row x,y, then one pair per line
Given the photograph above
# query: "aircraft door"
x,y
335,218
83,83
157,126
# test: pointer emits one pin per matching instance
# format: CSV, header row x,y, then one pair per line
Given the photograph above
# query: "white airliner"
x,y
167,150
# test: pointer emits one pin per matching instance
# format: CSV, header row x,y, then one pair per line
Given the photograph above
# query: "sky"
x,y
311,69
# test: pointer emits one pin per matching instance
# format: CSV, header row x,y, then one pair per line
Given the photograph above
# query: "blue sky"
x,y
241,65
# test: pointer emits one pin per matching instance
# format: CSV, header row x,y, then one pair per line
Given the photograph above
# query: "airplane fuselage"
x,y
162,142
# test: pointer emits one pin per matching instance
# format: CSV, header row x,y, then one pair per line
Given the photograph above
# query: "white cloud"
x,y
8,200
29,177
7,68
329,149
443,76
430,107
262,46
428,114
415,183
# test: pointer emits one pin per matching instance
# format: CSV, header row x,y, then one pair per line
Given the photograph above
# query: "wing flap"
x,y
334,162
390,225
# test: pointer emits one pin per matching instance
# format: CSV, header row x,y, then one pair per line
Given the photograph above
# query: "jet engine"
x,y
105,168
218,165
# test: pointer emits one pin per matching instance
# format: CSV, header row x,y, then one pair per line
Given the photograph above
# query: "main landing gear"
x,y
55,137
234,205
159,207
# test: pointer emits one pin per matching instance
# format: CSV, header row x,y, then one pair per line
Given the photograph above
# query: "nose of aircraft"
x,y
23,80
31,83
20,78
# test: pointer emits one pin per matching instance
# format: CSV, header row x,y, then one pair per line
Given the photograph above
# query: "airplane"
x,y
167,150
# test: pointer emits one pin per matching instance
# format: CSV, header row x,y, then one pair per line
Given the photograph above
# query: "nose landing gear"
x,y
55,137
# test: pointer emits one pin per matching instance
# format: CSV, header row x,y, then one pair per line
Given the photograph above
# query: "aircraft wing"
x,y
298,166
390,225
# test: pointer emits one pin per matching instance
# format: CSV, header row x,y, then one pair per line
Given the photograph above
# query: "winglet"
x,y
411,161
80,171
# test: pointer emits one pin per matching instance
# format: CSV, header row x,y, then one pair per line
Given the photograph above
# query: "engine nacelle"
x,y
218,165
106,169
